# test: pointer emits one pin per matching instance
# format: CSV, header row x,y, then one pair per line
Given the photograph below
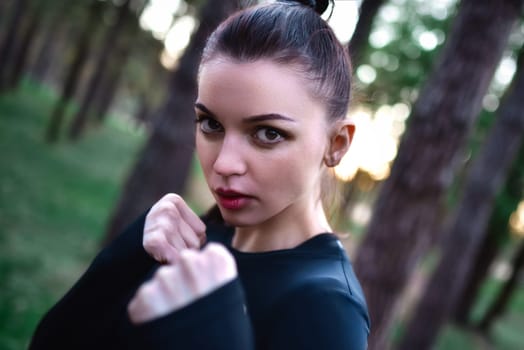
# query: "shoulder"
x,y
328,270
326,298
324,315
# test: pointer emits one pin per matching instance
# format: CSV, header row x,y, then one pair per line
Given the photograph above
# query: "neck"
x,y
289,229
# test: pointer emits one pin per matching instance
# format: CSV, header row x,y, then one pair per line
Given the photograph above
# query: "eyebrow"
x,y
251,119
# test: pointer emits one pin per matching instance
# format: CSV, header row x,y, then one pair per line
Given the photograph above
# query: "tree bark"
x,y
367,13
109,85
8,45
164,163
108,45
5,7
49,42
73,75
497,235
21,55
488,173
482,262
409,209
501,301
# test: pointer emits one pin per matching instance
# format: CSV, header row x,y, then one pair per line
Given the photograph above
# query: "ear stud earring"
x,y
330,161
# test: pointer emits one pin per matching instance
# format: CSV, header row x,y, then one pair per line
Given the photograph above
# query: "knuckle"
x,y
192,241
164,224
153,240
164,274
216,249
174,198
169,196
187,256
166,207
219,254
147,291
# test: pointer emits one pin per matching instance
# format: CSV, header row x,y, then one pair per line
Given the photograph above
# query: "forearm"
x,y
90,305
216,321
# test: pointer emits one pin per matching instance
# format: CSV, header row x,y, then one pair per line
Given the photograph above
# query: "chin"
x,y
238,220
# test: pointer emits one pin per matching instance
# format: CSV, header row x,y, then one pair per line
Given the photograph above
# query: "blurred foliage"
x,y
400,62
53,204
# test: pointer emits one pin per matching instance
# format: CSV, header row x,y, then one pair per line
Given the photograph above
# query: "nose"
x,y
230,159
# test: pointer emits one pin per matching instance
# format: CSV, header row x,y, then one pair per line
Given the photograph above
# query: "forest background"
x,y
96,123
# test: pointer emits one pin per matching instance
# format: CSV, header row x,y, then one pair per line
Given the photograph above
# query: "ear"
x,y
339,142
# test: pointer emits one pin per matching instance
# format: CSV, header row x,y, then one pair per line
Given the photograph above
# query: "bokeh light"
x,y
375,143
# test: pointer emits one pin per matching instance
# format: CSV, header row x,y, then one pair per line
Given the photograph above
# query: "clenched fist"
x,y
195,274
170,227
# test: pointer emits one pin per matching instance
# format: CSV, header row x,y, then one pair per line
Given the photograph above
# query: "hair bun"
x,y
318,5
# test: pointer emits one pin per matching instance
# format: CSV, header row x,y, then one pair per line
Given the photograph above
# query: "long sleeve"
x,y
217,321
90,310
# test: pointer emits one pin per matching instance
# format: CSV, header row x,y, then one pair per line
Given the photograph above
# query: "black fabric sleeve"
x,y
216,321
316,318
92,307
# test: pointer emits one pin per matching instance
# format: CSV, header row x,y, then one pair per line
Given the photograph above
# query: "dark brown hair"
x,y
289,32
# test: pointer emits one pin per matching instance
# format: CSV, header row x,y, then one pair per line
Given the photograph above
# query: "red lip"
x,y
230,199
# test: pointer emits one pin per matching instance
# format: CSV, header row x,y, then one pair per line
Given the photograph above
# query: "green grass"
x,y
54,201
506,332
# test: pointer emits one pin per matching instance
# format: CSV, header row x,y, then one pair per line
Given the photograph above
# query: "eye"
x,y
269,135
209,125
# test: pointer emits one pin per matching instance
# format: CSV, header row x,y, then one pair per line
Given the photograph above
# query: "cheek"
x,y
205,155
292,173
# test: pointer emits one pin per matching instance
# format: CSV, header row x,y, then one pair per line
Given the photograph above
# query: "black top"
x,y
302,298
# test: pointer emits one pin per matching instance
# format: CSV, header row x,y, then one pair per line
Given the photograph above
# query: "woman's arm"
x,y
98,301
91,306
197,303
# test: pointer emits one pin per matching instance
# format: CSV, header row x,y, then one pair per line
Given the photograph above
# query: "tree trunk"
x,y
482,262
73,75
110,82
5,7
488,173
21,55
48,44
7,49
164,163
108,45
409,209
359,39
501,301
143,112
496,237
107,91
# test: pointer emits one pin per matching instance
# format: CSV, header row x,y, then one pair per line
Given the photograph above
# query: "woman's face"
x,y
261,140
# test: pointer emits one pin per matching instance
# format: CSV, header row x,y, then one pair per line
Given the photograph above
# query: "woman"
x,y
273,90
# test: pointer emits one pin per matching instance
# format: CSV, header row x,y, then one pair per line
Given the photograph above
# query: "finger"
x,y
170,256
172,282
188,235
176,230
165,204
188,215
176,287
194,268
156,245
222,261
176,240
168,224
203,240
144,304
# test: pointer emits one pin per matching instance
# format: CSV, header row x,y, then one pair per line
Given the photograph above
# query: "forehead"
x,y
248,88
